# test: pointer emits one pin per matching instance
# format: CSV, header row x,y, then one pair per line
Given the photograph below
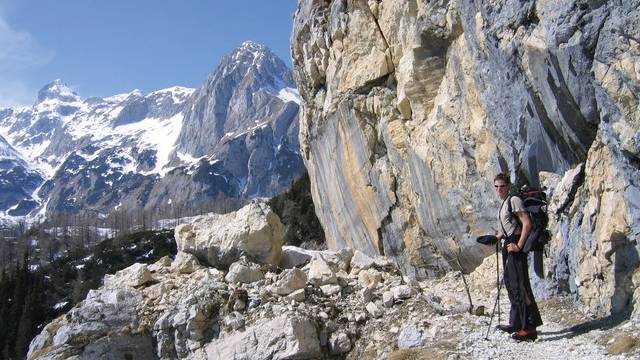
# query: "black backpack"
x,y
535,203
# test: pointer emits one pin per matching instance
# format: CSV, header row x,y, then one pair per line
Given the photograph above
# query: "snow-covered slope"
x,y
18,183
140,150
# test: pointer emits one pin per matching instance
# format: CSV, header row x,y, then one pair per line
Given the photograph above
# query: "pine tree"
x,y
5,290
23,335
79,288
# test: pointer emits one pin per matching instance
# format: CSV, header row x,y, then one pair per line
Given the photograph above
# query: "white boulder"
x,y
254,231
133,276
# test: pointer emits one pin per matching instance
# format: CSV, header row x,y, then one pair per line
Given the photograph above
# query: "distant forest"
x,y
64,234
31,296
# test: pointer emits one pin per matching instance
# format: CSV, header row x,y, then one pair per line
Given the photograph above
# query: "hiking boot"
x,y
525,335
506,328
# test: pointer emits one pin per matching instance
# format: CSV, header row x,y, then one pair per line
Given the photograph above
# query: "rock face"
x,y
411,108
254,231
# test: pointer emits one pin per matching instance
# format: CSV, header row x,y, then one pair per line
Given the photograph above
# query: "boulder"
x,y
339,343
410,337
103,321
340,260
240,272
360,261
185,263
293,256
320,273
369,278
289,281
162,263
284,337
402,292
133,276
254,231
297,296
329,290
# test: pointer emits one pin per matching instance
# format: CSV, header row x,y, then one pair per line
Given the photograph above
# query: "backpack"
x,y
535,203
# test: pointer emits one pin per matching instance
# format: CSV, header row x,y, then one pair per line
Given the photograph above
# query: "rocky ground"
x,y
181,309
567,333
304,304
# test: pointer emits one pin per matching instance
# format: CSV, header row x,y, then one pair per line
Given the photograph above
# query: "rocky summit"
x,y
410,108
329,305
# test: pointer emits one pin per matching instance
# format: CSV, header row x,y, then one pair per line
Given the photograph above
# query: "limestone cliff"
x,y
411,107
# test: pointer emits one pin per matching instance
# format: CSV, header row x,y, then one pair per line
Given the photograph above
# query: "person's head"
x,y
501,183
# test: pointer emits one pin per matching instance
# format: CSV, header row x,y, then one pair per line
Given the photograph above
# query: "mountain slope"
x,y
235,137
17,183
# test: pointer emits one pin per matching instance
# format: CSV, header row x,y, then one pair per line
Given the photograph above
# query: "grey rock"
x,y
339,343
279,338
289,281
410,337
330,290
320,273
374,310
240,272
402,292
387,299
185,263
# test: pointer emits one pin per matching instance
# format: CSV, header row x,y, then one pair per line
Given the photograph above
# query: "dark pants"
x,y
524,311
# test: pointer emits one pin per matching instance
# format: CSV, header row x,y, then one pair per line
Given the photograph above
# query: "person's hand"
x,y
512,248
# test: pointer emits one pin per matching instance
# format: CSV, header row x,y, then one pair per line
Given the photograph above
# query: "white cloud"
x,y
19,52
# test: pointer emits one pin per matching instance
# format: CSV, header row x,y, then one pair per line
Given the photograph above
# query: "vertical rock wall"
x,y
411,107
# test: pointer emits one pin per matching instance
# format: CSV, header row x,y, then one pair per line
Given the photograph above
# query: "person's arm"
x,y
524,233
526,228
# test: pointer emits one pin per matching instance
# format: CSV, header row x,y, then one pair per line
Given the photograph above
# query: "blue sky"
x,y
106,47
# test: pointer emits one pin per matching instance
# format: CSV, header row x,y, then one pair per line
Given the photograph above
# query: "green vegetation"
x,y
297,212
32,296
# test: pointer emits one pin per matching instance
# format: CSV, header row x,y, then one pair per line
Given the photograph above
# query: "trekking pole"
x,y
499,287
466,287
498,283
497,303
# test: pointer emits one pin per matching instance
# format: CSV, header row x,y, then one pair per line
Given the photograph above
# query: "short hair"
x,y
504,177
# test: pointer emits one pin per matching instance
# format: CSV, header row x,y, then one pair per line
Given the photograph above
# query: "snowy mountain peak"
x,y
57,90
253,48
7,151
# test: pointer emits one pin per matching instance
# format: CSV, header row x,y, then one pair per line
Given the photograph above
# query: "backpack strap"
x,y
514,215
508,200
510,209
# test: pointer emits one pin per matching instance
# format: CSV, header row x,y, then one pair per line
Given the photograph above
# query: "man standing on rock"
x,y
515,226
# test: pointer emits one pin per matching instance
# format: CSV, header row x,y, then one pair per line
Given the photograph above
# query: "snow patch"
x,y
289,94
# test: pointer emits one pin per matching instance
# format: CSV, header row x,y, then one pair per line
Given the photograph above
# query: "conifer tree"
x,y
23,335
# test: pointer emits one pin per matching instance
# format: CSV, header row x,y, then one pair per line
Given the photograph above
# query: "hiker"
x,y
515,226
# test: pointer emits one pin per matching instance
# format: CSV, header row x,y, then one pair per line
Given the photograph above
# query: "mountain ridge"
x,y
131,150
